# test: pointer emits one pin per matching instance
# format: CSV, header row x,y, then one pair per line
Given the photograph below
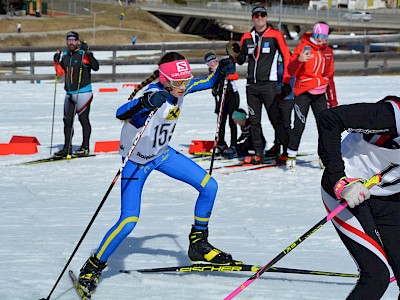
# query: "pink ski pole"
x,y
369,184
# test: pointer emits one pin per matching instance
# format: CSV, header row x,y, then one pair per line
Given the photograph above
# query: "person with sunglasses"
x,y
152,152
312,64
261,47
76,64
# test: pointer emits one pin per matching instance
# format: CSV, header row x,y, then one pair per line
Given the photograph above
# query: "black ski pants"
x,y
302,105
77,104
281,114
231,103
259,94
380,220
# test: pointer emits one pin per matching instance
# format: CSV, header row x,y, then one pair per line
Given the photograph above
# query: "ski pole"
x,y
54,109
376,179
232,55
221,108
135,142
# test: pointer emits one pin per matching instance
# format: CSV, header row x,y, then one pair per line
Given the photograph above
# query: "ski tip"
x,y
125,271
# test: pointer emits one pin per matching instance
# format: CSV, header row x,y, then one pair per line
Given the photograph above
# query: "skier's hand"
x,y
352,190
227,66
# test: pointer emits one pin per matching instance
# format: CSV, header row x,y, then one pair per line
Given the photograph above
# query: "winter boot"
x,y
256,159
201,250
273,152
63,152
82,151
90,273
281,160
219,150
230,152
291,164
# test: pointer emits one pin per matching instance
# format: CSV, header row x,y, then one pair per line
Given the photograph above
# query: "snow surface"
x,y
45,208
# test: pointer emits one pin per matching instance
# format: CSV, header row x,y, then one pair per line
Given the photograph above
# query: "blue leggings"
x,y
173,164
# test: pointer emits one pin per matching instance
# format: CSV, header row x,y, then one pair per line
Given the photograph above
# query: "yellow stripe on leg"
x,y
201,219
115,232
205,180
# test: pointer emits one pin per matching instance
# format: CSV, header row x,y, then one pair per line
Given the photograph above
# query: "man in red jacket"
x,y
261,47
312,64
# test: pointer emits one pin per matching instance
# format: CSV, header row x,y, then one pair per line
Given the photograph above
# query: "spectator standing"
x,y
19,27
232,101
76,63
121,19
281,112
11,11
261,47
312,63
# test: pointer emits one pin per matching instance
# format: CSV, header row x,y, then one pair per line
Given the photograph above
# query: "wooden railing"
x,y
9,70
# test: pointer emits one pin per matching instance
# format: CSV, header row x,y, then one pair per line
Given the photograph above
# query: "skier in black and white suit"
x,y
370,230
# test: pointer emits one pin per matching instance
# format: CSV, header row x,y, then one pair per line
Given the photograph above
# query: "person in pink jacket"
x,y
312,64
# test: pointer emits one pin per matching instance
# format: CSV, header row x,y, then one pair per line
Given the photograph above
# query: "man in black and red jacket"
x,y
76,64
261,47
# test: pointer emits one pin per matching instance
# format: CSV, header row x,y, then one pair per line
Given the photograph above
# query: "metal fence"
x,y
17,69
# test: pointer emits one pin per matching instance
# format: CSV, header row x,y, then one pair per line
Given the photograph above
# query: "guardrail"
x,y
191,51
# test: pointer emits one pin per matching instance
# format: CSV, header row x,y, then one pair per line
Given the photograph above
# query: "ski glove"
x,y
233,49
285,91
227,66
157,99
352,190
57,56
85,47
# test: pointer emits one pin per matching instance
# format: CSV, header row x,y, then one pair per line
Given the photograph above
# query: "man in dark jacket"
x,y
261,47
76,63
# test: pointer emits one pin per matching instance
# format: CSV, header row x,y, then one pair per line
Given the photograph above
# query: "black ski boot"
x,y
90,273
63,152
201,250
82,151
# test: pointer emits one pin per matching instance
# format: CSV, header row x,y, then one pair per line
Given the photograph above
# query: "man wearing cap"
x,y
76,64
261,47
312,63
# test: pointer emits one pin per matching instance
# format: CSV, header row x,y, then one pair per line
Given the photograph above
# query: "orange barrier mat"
x,y
24,139
18,148
201,146
108,90
106,146
128,85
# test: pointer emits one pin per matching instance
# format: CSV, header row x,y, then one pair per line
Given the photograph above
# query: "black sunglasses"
x,y
259,15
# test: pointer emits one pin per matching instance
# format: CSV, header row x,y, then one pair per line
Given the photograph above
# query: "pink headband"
x,y
321,28
175,70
